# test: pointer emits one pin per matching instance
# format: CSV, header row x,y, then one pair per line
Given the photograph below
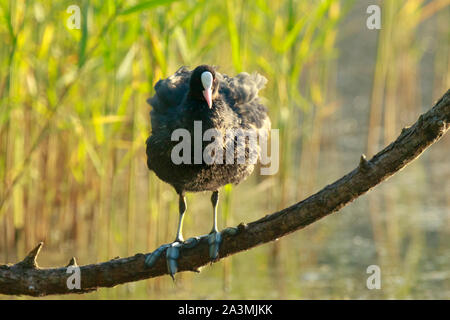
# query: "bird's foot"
x,y
215,240
172,254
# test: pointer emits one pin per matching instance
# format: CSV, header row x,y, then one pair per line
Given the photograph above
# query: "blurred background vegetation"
x,y
73,124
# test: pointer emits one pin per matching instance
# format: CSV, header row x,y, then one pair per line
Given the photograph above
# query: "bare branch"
x,y
26,278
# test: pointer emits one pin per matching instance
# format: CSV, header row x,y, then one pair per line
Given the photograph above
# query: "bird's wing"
x,y
242,88
170,92
241,94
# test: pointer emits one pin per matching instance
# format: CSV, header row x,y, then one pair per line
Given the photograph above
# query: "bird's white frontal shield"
x,y
207,81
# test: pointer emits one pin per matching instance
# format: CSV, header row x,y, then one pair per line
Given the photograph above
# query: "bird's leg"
x,y
215,201
214,237
173,249
182,210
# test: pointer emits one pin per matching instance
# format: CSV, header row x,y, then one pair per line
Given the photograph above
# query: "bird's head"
x,y
203,84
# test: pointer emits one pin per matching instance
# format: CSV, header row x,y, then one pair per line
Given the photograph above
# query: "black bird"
x,y
203,97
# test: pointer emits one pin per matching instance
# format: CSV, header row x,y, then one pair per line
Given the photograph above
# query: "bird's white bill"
x,y
208,97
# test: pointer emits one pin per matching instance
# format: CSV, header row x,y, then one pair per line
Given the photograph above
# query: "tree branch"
x,y
26,278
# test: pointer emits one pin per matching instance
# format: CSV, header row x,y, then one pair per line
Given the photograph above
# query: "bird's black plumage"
x,y
178,102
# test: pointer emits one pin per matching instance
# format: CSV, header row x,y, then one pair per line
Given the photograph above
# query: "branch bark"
x,y
27,278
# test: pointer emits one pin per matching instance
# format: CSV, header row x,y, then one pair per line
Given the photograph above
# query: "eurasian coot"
x,y
187,105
